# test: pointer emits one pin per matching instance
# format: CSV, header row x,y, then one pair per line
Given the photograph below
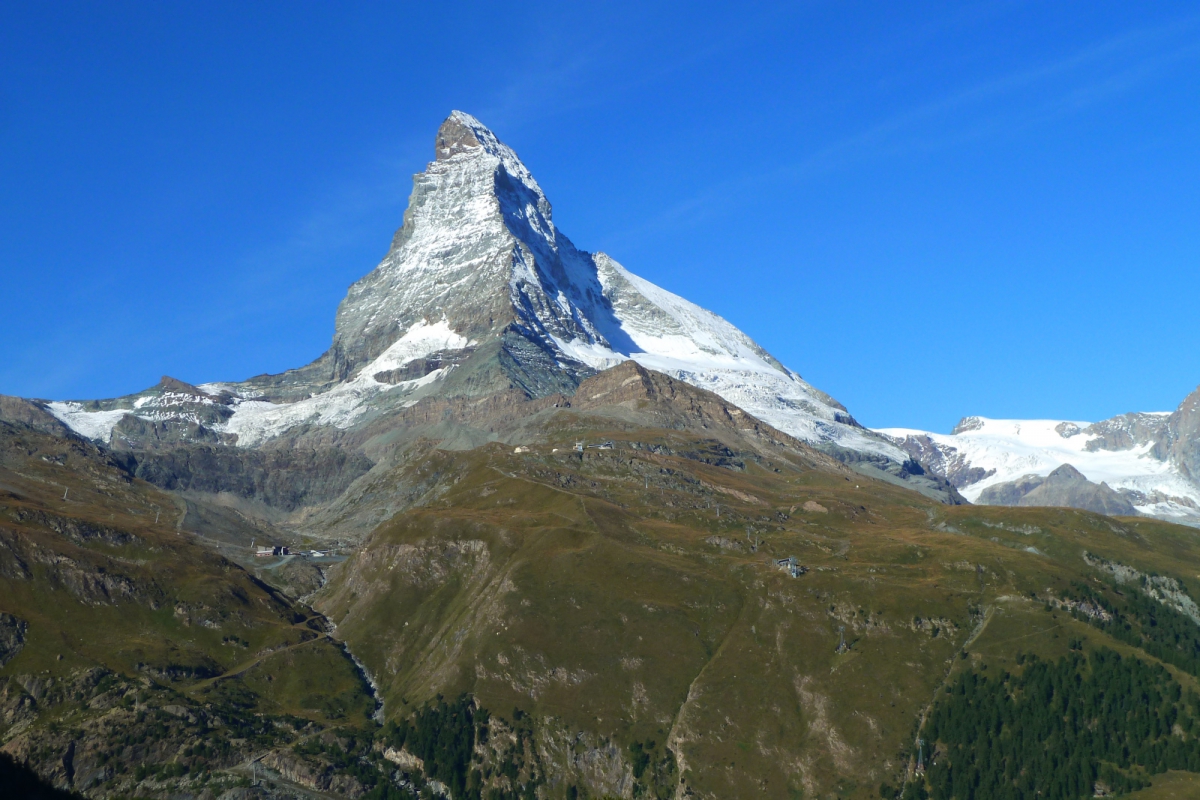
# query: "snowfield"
x,y
255,421
1011,448
480,253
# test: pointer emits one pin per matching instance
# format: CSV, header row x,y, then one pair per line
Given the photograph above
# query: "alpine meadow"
x,y
536,528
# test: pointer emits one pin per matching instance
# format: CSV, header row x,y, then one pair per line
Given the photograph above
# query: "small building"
x,y
264,552
521,449
791,566
602,446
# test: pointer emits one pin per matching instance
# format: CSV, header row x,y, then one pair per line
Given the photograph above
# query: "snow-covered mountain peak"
x,y
478,270
1138,455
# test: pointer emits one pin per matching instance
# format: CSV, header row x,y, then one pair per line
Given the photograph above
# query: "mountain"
x,y
577,538
130,652
1065,486
691,610
1145,463
479,295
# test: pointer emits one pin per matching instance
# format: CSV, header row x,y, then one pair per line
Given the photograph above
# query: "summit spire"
x,y
460,132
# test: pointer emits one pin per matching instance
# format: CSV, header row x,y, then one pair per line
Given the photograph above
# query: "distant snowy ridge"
x,y
984,453
255,421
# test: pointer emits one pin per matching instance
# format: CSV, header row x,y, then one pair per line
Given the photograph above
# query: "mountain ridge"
x,y
1149,460
479,294
524,478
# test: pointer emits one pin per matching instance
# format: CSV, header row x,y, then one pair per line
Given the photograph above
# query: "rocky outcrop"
x,y
284,477
1125,432
1065,486
942,460
1010,493
12,637
1182,440
18,411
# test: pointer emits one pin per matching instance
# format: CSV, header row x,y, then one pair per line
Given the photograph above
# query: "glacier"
x,y
478,257
988,452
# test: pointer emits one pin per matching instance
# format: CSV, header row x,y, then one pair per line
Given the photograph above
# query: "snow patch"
x,y
95,425
255,421
1014,448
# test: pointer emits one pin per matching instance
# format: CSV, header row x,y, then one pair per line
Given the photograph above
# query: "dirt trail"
x,y
258,659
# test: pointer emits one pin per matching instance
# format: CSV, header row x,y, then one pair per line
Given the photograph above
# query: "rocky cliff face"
x,y
1182,438
480,295
1065,486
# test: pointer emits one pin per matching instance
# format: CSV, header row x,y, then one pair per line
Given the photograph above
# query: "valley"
x,y
580,538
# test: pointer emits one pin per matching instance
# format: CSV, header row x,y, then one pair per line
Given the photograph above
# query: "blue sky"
x,y
928,210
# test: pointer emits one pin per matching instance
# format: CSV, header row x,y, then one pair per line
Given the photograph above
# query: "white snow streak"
x,y
96,425
255,421
1014,448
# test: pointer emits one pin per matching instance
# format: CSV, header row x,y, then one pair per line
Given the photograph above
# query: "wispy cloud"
x,y
597,69
1003,105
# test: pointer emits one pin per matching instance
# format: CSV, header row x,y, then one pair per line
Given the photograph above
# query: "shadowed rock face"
x,y
12,637
1011,492
285,478
1064,487
480,295
19,411
1183,436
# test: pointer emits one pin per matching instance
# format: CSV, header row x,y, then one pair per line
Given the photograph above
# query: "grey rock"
x,y
12,637
1010,493
1182,439
1126,431
280,476
943,461
1064,487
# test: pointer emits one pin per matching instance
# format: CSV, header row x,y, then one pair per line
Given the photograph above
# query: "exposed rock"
x,y
12,637
1067,429
1183,436
1065,486
280,476
942,460
1010,493
967,424
1126,431
18,411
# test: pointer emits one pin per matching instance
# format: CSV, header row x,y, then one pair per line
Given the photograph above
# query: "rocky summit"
x,y
479,295
533,527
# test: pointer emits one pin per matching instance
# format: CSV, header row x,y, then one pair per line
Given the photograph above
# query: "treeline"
x,y
1057,730
443,735
1141,621
481,756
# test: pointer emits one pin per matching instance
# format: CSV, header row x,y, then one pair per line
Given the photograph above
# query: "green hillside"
x,y
132,659
627,607
691,605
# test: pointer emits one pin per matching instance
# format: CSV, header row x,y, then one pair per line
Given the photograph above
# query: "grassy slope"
x,y
126,616
596,593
